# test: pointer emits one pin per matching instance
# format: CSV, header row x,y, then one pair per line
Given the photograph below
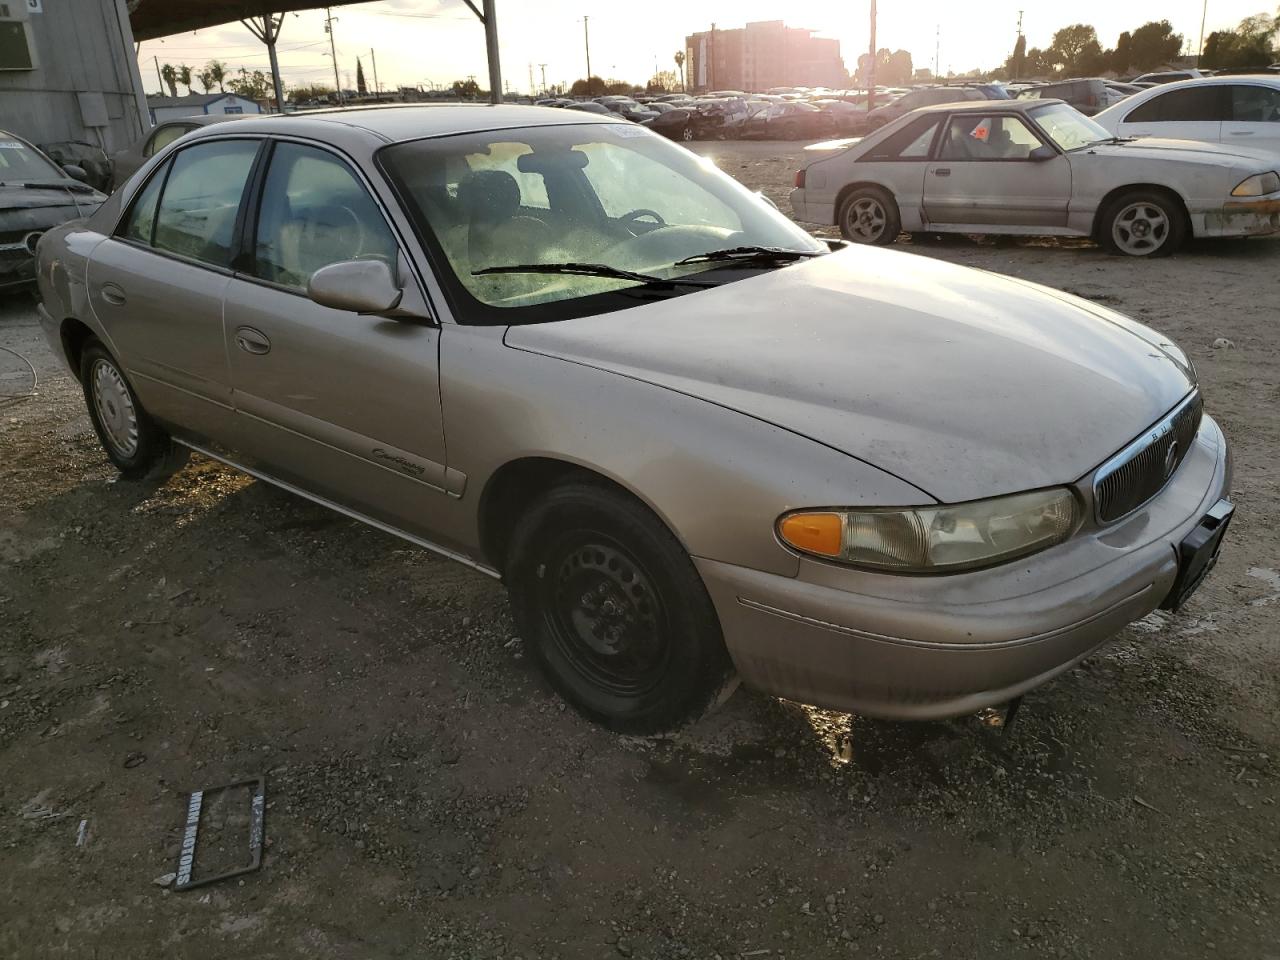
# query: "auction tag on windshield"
x,y
11,145
627,130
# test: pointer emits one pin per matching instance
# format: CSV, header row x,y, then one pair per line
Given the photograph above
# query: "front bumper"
x,y
17,266
1252,217
920,648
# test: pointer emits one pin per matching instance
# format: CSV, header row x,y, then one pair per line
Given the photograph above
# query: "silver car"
x,y
694,442
1037,168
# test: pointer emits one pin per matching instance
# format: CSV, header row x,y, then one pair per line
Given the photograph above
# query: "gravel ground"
x,y
428,797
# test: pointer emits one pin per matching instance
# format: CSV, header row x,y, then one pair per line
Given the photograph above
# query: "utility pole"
x,y
1204,13
373,58
871,64
937,53
586,39
329,20
543,67
711,60
531,90
159,75
1017,64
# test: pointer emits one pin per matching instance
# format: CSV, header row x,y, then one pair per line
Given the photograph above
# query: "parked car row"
x,y
696,444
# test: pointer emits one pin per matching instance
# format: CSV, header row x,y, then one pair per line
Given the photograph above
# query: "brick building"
x,y
763,55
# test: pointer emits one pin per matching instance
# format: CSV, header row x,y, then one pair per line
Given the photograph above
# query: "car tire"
x,y
687,134
612,609
131,439
1143,223
869,215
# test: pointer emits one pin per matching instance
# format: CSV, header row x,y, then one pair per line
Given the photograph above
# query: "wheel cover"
x,y
866,219
116,412
686,134
1140,229
605,618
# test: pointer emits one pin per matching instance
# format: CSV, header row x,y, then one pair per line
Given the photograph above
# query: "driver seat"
x,y
497,232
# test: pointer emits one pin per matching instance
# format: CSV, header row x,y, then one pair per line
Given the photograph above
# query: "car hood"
x,y
961,382
1195,151
18,197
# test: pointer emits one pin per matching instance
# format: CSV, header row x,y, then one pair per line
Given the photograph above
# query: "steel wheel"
x,y
114,404
1140,229
605,617
866,220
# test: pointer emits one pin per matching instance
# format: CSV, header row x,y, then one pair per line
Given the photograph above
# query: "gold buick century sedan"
x,y
695,443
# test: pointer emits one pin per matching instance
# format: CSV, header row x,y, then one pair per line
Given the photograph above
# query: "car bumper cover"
x,y
934,647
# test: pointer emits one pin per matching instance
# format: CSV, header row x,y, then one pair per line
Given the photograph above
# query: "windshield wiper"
x,y
588,270
75,186
1094,143
751,253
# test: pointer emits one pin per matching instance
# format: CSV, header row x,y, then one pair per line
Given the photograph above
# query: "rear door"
x,y
984,175
1255,117
342,405
156,285
1189,113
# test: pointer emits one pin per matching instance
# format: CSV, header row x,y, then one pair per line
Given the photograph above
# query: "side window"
x,y
163,137
1183,106
974,137
910,143
142,217
315,212
1251,104
197,214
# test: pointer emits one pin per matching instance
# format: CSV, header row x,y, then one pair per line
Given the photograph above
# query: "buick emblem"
x,y
1170,459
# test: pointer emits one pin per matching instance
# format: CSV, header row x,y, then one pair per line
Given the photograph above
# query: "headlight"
x,y
1258,185
939,539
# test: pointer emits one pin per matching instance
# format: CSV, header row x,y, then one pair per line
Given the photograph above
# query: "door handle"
x,y
942,172
252,341
113,294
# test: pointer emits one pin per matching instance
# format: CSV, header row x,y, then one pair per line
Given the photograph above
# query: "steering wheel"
x,y
628,218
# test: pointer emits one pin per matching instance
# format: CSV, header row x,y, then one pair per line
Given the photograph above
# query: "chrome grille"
x,y
1139,471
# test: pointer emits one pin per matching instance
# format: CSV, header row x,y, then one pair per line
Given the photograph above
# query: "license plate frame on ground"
x,y
1198,553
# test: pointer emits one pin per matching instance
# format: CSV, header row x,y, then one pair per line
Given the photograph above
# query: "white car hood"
x,y
963,383
1195,151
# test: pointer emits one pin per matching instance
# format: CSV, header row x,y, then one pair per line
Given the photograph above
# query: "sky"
x,y
424,42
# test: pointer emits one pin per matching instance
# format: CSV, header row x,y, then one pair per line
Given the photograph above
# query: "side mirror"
x,y
361,286
76,173
1042,153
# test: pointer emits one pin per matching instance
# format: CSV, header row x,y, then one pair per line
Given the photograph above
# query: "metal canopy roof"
x,y
159,18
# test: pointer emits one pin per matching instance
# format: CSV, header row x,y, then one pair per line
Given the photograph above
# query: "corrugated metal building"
x,y
68,72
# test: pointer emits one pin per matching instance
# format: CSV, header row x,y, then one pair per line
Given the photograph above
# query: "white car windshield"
x,y
19,163
609,196
1068,127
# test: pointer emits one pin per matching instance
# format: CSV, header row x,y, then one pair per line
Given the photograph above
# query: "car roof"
x,y
395,123
1270,79
986,106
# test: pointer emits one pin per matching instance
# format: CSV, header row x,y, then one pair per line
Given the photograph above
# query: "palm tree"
x,y
170,77
205,77
680,64
184,77
218,71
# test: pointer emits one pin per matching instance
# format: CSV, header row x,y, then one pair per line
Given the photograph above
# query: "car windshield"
x,y
1068,127
599,194
19,163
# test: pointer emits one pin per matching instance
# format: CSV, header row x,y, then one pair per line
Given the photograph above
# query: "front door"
x,y
989,173
342,405
157,285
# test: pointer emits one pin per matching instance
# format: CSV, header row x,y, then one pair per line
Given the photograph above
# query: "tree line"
x,y
252,85
1076,50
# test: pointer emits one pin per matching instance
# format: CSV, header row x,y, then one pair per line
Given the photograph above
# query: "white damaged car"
x,y
1036,168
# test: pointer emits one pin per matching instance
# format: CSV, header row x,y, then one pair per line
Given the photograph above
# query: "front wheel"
x,y
869,215
131,439
615,613
686,134
1143,223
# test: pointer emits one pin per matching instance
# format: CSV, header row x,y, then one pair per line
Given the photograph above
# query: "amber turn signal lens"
x,y
820,533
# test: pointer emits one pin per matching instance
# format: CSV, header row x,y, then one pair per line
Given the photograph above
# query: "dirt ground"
x,y
428,797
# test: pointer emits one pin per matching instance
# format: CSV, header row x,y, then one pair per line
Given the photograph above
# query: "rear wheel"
x,y
1143,223
132,440
615,613
870,215
686,134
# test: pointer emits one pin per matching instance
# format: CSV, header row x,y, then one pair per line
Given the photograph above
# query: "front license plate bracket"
x,y
1198,553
